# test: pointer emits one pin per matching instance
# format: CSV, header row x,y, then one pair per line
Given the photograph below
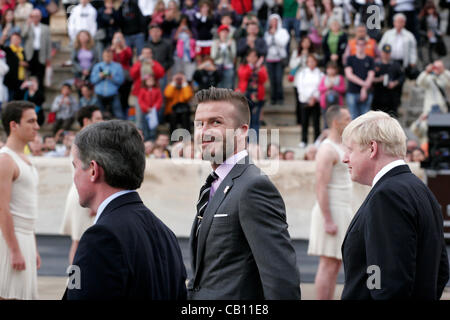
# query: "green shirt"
x,y
290,8
333,42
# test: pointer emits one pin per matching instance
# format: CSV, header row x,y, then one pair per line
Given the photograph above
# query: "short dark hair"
x,y
238,100
333,112
12,111
86,112
118,148
48,136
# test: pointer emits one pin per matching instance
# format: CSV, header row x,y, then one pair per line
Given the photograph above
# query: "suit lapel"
x,y
211,209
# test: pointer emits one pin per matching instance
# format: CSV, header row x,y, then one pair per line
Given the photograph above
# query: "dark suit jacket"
x,y
247,252
130,254
11,79
399,229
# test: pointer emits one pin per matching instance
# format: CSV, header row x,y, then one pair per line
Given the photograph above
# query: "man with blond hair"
x,y
394,247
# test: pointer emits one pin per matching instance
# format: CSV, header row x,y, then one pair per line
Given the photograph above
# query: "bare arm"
x,y
353,78
325,160
7,173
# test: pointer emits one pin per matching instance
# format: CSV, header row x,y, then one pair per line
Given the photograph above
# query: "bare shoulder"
x,y
8,168
327,154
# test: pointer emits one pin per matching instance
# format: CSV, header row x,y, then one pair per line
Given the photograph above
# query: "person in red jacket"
x,y
252,76
242,6
149,98
143,67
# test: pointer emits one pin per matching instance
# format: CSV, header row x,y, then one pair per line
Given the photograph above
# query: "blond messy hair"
x,y
380,127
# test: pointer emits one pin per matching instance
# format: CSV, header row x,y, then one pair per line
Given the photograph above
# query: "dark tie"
x,y
204,198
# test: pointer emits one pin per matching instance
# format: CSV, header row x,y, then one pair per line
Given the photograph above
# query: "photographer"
x,y
65,106
435,80
178,93
107,76
31,92
206,74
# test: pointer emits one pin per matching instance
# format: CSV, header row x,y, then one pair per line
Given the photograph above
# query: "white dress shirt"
x,y
37,37
386,169
108,200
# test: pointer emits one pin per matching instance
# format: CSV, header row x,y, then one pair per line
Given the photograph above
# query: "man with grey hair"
x,y
394,247
128,253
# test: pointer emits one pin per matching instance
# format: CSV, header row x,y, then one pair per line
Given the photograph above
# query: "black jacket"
x,y
129,254
399,229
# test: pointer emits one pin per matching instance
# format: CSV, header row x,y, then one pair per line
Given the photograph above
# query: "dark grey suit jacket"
x,y
246,251
399,229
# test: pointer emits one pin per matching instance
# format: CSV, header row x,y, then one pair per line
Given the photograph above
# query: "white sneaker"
x,y
302,145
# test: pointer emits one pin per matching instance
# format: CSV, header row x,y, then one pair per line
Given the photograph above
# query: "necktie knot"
x,y
211,178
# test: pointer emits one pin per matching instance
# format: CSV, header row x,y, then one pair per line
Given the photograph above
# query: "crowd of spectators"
x,y
145,59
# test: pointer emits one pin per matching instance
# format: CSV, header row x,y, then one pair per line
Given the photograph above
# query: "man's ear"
x,y
374,149
96,172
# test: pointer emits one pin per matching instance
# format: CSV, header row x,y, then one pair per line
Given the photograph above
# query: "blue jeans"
x,y
275,70
136,41
142,124
357,107
255,112
227,79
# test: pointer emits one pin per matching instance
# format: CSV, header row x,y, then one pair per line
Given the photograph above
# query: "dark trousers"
x,y
275,70
180,115
124,92
65,124
307,113
298,107
37,69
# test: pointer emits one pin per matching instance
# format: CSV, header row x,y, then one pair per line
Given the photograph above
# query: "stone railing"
x,y
171,187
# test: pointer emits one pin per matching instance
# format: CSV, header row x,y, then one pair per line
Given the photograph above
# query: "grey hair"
x,y
118,148
399,15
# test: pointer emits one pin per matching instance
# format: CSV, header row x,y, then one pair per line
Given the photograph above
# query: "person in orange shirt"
x,y
371,45
177,111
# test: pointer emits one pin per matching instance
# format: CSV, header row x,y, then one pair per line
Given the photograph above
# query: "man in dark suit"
x,y
128,253
394,247
240,245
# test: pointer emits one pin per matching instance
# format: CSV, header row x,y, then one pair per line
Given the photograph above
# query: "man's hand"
x,y
17,261
311,102
363,94
392,84
334,57
429,68
38,260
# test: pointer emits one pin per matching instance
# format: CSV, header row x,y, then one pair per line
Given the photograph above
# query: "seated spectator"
x,y
65,106
107,77
149,145
252,40
223,52
132,23
150,97
371,47
309,95
82,17
8,27
123,54
203,24
178,93
207,74
141,68
107,25
185,48
88,97
276,39
49,144
360,72
30,91
15,60
310,153
22,12
403,44
334,43
171,20
162,141
435,79
273,151
84,57
332,88
418,155
159,153
289,155
252,77
61,150
35,146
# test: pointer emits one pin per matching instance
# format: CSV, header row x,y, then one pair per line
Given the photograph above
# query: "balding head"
x,y
439,66
36,16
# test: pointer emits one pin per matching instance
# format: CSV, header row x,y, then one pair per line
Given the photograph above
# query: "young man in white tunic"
x,y
19,258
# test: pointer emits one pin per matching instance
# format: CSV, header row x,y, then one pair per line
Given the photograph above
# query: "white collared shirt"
x,y
386,169
398,51
108,200
37,36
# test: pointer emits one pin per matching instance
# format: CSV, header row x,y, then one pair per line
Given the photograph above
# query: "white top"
x,y
82,18
386,169
398,50
37,36
24,192
108,200
307,84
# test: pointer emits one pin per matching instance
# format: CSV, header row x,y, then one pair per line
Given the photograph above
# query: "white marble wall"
x,y
170,190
